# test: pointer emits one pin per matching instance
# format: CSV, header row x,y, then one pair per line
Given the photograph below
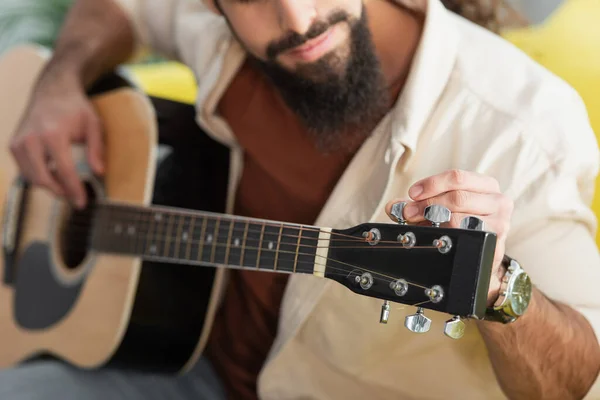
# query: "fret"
x,y
167,237
236,243
176,234
194,239
201,242
182,236
133,234
259,244
278,244
137,232
228,242
212,230
297,249
308,249
221,240
221,243
268,247
190,239
150,247
288,248
159,240
244,243
251,246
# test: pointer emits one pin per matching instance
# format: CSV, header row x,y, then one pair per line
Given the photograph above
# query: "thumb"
x,y
94,143
394,209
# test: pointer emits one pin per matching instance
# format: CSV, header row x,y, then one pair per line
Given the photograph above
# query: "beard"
x,y
339,98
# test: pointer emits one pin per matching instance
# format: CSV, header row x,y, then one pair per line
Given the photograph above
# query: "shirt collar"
x,y
429,74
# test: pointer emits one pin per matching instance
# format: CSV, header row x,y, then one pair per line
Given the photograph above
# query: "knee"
x,y
37,380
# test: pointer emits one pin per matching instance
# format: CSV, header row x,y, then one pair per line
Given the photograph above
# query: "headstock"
x,y
430,267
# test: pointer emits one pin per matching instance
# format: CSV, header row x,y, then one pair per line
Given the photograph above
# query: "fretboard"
x,y
182,236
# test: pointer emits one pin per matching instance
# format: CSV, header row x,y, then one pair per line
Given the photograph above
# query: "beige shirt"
x,y
472,101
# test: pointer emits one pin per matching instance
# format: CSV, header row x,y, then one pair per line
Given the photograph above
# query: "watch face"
x,y
520,294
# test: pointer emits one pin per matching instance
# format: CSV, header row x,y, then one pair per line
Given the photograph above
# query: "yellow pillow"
x,y
167,80
568,44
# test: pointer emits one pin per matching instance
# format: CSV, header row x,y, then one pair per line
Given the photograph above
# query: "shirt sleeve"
x,y
171,27
553,229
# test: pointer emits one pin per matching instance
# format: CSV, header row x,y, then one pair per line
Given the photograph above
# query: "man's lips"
x,y
314,48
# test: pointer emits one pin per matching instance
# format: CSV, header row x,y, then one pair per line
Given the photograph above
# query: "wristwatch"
x,y
514,296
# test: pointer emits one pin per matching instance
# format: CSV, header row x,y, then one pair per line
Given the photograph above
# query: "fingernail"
x,y
415,191
410,211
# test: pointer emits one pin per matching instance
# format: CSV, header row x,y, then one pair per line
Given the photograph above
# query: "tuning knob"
x,y
437,215
417,323
454,328
385,312
398,212
472,223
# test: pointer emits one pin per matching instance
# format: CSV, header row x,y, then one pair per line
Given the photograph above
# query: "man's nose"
x,y
296,15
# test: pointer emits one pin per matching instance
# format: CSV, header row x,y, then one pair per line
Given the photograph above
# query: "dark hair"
x,y
491,14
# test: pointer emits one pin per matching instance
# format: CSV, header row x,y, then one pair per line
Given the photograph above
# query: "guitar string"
x,y
202,244
170,239
338,271
342,271
144,224
272,251
345,273
164,239
148,215
328,269
82,226
173,216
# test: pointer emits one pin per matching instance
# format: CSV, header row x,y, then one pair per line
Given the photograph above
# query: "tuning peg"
x,y
435,293
385,312
437,215
398,212
417,323
473,223
454,328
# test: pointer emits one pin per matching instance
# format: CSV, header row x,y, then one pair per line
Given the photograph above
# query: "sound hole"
x,y
75,233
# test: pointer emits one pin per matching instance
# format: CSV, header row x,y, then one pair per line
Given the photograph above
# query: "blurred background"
x,y
562,35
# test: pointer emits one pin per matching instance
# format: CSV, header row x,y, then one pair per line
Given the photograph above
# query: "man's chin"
x,y
342,94
330,66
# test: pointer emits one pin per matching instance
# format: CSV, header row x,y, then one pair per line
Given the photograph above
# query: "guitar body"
x,y
95,310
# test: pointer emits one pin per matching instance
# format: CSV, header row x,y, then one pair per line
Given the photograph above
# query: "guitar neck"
x,y
194,237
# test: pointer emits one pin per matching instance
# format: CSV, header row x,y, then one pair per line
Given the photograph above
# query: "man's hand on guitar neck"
x,y
60,113
465,194
519,351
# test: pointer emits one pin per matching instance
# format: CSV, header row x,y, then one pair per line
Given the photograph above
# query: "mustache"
x,y
294,39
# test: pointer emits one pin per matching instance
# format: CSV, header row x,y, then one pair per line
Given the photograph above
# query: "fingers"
x,y
453,180
59,150
95,144
497,222
463,202
458,201
30,156
464,194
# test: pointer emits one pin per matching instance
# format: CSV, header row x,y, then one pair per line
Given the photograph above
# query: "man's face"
x,y
320,56
293,33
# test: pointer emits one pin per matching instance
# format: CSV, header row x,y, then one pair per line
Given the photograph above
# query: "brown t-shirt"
x,y
285,178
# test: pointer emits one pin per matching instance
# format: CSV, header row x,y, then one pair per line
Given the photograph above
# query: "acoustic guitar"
x,y
130,281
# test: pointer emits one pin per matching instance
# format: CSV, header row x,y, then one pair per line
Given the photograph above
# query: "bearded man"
x,y
335,110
